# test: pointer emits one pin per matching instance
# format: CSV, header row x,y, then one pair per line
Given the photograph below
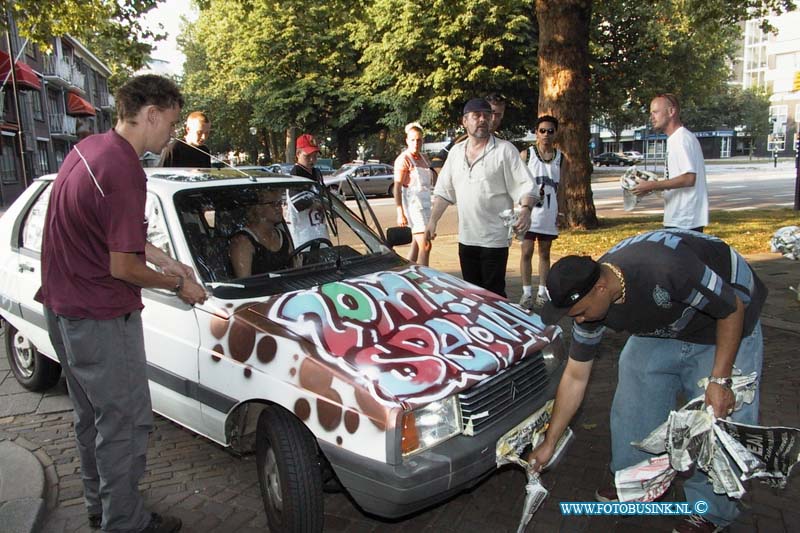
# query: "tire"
x,y
390,194
33,370
289,473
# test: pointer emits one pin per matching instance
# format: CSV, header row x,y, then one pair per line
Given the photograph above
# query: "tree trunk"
x,y
343,151
380,147
564,93
276,146
290,144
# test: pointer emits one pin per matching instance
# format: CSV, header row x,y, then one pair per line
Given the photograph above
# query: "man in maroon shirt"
x,y
94,256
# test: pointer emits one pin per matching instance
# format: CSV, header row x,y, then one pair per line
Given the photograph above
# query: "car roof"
x,y
170,180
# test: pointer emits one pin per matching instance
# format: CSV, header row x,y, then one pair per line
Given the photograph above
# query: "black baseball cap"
x,y
570,279
477,105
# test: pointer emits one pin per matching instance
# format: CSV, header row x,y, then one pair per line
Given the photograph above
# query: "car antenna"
x,y
217,159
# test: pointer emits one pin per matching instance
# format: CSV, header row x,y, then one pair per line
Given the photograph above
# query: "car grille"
x,y
501,393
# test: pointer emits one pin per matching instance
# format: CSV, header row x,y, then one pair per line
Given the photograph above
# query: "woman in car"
x,y
263,245
413,183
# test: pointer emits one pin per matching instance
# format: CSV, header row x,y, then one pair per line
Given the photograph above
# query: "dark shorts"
x,y
533,236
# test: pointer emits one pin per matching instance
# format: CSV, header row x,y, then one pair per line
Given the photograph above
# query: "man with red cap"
x,y
306,156
692,305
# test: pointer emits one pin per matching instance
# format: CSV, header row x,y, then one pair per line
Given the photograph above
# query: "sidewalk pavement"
x,y
29,481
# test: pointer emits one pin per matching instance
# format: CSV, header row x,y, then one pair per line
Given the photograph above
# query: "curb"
x,y
22,487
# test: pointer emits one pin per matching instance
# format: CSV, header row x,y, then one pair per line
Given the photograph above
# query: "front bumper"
x,y
427,478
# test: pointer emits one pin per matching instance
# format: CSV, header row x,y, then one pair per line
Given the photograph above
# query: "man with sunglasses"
x,y
685,191
544,162
483,176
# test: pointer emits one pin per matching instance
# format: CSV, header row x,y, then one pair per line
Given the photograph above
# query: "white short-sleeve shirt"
x,y
496,181
686,207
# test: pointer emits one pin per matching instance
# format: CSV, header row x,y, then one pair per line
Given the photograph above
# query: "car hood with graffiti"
x,y
412,335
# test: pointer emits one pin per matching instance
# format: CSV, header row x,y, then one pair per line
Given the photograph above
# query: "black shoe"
x,y
163,524
95,520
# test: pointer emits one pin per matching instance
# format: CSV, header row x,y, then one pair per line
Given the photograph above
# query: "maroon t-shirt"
x,y
87,219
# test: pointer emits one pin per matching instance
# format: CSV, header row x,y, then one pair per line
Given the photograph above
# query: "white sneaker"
x,y
526,302
541,299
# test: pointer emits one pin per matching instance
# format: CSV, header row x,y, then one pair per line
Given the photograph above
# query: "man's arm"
x,y
128,267
678,182
568,398
437,210
729,336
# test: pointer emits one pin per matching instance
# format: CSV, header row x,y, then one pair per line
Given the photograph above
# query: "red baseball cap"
x,y
307,144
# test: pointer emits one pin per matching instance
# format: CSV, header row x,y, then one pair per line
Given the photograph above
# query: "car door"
x,y
171,333
28,240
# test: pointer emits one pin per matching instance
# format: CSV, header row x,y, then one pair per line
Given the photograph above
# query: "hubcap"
x,y
273,481
23,355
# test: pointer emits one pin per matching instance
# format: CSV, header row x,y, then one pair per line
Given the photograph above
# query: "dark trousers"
x,y
698,229
484,267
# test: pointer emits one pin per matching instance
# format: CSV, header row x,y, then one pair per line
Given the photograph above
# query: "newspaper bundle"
x,y
786,241
524,438
693,436
628,181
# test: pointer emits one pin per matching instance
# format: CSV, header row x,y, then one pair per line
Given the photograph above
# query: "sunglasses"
x,y
547,130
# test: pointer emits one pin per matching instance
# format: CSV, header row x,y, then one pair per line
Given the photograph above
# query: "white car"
x,y
397,379
634,156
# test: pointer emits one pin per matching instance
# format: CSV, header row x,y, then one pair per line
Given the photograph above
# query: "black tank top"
x,y
264,259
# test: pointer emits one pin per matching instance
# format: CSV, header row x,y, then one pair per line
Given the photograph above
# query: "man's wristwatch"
x,y
178,286
725,382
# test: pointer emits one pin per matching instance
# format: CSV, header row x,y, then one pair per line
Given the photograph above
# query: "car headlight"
x,y
429,425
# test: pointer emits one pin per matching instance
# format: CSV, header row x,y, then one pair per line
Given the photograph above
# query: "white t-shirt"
x,y
547,174
496,181
686,207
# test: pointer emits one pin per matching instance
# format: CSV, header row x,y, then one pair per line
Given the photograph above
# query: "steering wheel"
x,y
313,245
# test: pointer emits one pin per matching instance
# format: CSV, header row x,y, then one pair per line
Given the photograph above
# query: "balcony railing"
x,y
78,79
61,124
57,66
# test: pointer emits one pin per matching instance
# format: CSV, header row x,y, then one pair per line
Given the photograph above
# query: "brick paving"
x,y
214,490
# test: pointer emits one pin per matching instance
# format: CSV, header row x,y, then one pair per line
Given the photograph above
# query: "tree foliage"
x,y
112,29
422,61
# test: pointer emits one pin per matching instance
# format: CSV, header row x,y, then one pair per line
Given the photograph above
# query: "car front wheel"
x,y
34,371
289,472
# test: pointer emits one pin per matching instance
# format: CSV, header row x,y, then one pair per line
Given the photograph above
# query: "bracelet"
x,y
725,382
178,286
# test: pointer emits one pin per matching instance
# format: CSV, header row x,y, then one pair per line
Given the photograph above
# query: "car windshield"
x,y
247,235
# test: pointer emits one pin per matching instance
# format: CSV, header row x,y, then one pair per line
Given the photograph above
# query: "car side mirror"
x,y
398,236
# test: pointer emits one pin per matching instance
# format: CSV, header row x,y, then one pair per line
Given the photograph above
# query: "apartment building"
x,y
49,102
771,61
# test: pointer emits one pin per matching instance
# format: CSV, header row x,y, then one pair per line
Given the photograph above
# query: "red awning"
x,y
78,107
26,77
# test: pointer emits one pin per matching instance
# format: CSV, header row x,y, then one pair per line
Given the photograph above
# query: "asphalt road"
x,y
731,186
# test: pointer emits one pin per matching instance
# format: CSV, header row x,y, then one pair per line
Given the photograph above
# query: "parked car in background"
x,y
326,170
634,156
374,179
611,158
352,364
281,168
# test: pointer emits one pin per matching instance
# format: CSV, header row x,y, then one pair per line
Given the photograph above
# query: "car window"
x,y
157,233
34,222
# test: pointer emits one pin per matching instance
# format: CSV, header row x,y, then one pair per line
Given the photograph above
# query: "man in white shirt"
x,y
685,191
483,176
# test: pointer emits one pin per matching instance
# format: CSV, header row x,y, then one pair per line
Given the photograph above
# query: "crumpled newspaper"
x,y
693,436
526,436
509,218
786,241
628,182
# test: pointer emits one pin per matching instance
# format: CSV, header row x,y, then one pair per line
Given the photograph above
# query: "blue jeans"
x,y
651,374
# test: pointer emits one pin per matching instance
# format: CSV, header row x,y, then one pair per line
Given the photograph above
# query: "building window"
x,y
42,157
36,101
8,161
